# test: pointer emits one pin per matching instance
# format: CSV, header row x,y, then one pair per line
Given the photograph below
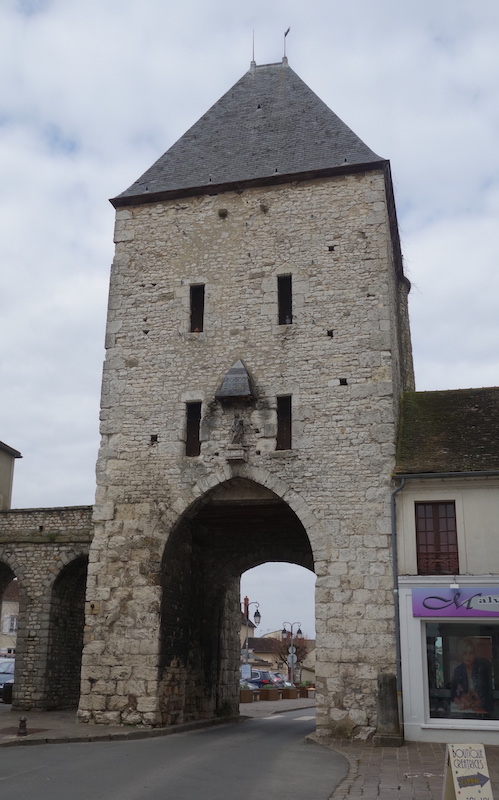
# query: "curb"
x,y
131,733
343,788
122,736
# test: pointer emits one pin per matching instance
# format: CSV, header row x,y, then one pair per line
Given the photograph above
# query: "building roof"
x,y
449,431
10,450
269,125
263,644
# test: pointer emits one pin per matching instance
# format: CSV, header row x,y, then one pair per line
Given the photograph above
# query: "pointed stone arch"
x,y
7,574
52,580
259,476
65,633
233,525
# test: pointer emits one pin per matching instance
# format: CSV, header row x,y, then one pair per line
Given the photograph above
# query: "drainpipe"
x,y
395,570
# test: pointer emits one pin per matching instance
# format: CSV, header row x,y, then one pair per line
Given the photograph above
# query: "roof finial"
x,y
284,59
253,62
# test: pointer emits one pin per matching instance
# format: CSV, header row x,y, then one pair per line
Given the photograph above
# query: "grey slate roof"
x,y
449,431
270,124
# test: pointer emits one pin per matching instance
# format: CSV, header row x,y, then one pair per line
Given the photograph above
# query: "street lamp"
x,y
291,649
256,617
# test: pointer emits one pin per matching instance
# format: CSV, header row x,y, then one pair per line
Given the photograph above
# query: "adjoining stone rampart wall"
x,y
47,548
340,360
66,523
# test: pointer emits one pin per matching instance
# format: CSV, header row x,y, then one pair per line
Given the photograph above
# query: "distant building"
x,y
9,612
447,512
7,460
9,600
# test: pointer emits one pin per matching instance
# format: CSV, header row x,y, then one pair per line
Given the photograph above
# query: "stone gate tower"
x,y
257,345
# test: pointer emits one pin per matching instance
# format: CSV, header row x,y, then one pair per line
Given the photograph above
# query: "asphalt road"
x,y
260,759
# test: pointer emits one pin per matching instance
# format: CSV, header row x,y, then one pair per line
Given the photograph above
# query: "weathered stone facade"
x,y
47,551
268,185
171,531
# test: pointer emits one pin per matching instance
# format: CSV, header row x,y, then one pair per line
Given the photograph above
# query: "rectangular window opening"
x,y
436,539
283,441
197,308
193,420
285,299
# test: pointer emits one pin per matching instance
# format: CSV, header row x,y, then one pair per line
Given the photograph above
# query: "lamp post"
x,y
291,649
256,617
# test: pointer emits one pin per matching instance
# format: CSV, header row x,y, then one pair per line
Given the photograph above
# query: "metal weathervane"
x,y
285,34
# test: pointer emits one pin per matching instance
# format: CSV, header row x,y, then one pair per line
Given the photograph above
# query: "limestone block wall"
x,y
340,360
47,550
67,523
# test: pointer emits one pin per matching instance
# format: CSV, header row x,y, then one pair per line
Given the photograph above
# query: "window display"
x,y
463,670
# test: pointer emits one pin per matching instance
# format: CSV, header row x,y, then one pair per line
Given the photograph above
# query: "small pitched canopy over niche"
x,y
236,384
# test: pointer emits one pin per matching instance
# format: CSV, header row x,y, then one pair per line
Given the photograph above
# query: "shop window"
x,y
284,300
436,539
463,670
283,441
193,420
197,308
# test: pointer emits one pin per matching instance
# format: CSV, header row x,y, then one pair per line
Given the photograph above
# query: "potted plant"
x,y
290,693
269,693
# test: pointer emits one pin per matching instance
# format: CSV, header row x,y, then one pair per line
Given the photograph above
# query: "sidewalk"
x,y
412,772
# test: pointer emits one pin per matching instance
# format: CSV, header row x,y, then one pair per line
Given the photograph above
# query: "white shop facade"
x,y
449,643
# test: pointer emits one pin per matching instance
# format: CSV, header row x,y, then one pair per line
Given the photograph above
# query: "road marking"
x,y
294,719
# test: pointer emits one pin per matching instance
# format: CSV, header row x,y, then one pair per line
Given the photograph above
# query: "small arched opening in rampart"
x,y
65,635
9,610
236,526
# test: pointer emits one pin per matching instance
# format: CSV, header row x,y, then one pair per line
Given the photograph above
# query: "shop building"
x,y
447,519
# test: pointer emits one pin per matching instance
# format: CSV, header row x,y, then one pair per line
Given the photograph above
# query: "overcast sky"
x,y
93,91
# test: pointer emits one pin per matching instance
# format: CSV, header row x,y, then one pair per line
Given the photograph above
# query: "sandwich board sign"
x,y
466,773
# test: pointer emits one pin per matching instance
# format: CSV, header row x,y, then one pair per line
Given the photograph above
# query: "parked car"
x,y
248,685
263,678
286,684
6,677
278,680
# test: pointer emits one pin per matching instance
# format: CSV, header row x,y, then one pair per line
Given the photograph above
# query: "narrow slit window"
x,y
285,299
283,423
193,421
197,308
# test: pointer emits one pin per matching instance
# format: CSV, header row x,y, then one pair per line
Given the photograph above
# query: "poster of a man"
x,y
471,684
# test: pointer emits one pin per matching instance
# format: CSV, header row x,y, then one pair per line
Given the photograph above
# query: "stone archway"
x,y
237,525
6,576
9,609
65,644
